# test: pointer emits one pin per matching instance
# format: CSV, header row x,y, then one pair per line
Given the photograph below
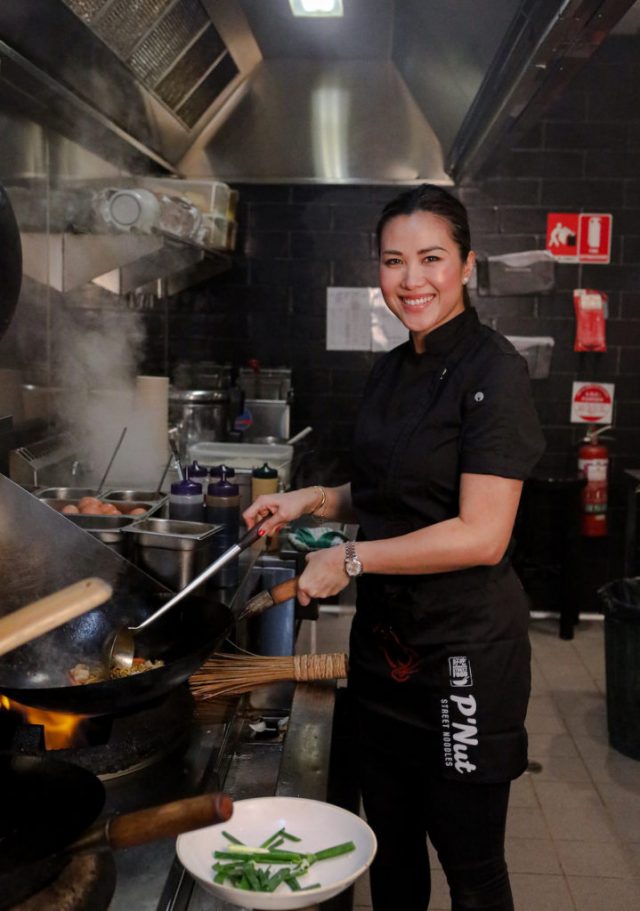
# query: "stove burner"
x,y
86,883
121,744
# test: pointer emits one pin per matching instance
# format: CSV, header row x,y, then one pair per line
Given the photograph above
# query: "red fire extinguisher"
x,y
593,463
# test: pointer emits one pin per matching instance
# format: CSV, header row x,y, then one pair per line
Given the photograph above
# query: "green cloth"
x,y
316,538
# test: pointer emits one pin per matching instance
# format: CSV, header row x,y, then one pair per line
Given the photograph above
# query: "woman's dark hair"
x,y
437,201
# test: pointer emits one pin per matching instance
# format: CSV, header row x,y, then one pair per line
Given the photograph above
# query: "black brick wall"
x,y
297,240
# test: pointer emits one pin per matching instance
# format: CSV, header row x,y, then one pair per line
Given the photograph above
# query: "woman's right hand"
x,y
282,507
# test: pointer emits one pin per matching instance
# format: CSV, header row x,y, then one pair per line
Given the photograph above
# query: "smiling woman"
x,y
422,273
439,653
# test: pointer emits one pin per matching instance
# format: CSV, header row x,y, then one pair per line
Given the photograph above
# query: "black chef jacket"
x,y
439,663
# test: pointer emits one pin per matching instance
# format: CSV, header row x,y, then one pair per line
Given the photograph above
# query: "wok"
x,y
47,812
10,262
37,674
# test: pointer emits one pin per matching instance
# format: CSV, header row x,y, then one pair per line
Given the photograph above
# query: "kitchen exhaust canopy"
x,y
393,91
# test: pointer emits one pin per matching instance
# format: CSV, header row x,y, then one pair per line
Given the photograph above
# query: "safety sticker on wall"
x,y
592,403
574,237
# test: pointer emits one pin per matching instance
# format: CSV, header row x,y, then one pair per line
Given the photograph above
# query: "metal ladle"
x,y
119,649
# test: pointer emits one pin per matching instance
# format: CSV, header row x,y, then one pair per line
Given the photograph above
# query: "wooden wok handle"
x,y
169,820
284,590
41,616
269,598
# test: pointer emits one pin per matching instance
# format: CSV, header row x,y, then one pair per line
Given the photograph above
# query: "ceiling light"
x,y
316,7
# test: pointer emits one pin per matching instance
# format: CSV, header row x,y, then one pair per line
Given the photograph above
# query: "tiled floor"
x,y
573,835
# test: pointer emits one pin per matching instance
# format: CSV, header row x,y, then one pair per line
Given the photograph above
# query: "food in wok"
x,y
81,673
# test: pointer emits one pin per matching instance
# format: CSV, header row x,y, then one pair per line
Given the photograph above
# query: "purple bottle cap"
x,y
196,470
217,470
223,488
186,488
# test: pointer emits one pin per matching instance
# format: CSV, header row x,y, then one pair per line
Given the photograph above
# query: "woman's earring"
x,y
465,280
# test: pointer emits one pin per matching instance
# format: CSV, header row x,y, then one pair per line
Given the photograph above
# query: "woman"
x,y
439,653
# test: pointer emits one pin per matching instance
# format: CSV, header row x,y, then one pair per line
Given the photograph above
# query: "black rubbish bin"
x,y
621,606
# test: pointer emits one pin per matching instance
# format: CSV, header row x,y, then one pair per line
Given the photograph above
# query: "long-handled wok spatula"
x,y
119,648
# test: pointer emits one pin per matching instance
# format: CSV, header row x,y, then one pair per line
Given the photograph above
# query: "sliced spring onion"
x,y
243,873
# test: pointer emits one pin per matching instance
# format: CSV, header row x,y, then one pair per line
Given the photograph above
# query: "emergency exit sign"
x,y
579,237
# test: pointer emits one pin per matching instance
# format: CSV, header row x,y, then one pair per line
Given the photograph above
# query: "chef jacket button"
x,y
479,397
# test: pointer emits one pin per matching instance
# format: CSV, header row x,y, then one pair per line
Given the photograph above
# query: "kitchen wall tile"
x,y
497,244
267,243
288,217
501,190
547,163
523,220
354,273
331,245
574,135
360,217
600,195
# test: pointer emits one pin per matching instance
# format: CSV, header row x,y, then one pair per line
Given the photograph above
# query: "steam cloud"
x,y
97,357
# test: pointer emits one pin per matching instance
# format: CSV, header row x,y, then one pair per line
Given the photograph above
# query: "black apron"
x,y
439,664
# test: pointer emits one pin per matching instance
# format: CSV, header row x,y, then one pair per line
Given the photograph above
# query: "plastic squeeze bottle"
x,y
186,502
264,480
222,507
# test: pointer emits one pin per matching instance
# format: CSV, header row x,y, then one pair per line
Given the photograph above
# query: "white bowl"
x,y
318,825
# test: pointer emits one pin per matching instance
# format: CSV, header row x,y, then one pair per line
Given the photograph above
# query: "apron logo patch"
x,y
459,732
403,661
460,671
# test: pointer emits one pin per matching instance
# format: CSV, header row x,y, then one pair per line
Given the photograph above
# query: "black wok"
x,y
10,262
47,809
37,674
46,805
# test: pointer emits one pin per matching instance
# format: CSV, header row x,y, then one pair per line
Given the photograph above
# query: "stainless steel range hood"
x,y
395,91
302,120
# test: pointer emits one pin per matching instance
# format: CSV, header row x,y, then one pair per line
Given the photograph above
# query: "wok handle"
x,y
284,590
169,820
43,615
269,598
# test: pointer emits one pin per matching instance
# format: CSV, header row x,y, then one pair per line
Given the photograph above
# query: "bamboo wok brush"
x,y
227,674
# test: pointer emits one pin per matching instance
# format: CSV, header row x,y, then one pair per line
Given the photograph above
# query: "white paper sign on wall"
x,y
359,320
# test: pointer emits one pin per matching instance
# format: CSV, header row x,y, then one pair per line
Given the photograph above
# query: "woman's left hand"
x,y
324,574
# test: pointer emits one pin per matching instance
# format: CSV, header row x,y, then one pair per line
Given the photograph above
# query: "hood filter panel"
x,y
177,84
168,41
171,47
125,22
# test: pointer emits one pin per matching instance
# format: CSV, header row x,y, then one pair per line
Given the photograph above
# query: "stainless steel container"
x,y
172,552
150,496
199,414
125,508
66,493
107,529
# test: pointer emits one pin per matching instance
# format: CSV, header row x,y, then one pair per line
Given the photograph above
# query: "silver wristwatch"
x,y
352,564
